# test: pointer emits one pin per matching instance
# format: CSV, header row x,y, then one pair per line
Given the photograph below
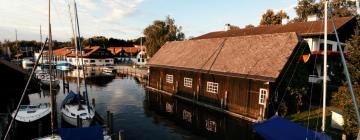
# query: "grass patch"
x,y
313,119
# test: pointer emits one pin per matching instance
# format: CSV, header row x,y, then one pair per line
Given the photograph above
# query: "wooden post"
x,y
108,118
40,129
78,121
225,100
93,102
121,135
111,122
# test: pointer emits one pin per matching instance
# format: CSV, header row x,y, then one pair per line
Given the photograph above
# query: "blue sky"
x,y
127,18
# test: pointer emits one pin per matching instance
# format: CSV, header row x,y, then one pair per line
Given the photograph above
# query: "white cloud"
x,y
96,17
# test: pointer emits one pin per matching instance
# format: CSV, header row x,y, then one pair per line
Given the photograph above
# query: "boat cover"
x,y
277,128
71,97
85,133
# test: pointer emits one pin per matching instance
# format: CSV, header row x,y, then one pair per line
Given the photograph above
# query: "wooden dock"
x,y
135,72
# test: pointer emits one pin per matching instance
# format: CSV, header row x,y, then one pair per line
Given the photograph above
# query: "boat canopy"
x,y
85,133
277,128
71,97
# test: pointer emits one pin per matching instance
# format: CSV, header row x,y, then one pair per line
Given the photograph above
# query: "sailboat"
x,y
45,79
75,107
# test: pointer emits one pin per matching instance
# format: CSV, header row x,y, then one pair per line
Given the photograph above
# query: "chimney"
x,y
227,27
313,18
284,21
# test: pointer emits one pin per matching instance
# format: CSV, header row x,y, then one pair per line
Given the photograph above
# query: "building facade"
x,y
312,31
234,75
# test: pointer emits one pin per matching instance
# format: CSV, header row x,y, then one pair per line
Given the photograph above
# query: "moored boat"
x,y
30,113
74,106
27,63
63,66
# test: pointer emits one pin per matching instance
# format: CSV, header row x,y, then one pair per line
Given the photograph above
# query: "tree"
x,y
306,8
343,8
342,98
340,8
249,26
270,18
160,32
94,41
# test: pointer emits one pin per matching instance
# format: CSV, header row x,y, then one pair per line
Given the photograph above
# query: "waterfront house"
x,y
141,57
312,31
124,54
235,75
93,56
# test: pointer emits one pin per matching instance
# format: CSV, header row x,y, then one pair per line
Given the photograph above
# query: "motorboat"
x,y
27,63
63,65
108,70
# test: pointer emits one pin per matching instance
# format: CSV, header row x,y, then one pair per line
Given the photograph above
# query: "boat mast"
x,y
50,76
76,57
325,66
40,36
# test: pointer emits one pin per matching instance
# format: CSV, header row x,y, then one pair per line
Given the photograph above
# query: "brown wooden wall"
x,y
242,94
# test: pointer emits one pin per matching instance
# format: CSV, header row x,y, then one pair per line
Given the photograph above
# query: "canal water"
x,y
144,115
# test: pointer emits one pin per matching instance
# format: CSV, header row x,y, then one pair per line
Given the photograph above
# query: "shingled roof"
x,y
254,57
302,28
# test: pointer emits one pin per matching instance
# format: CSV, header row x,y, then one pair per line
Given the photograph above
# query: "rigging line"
x,y
282,78
311,92
318,118
292,76
218,52
59,17
82,60
202,66
25,89
285,73
346,72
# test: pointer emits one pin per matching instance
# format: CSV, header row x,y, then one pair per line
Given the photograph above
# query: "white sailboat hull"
x,y
73,121
70,113
30,113
54,83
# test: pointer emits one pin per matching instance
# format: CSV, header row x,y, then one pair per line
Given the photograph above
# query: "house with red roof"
x,y
233,75
92,56
312,31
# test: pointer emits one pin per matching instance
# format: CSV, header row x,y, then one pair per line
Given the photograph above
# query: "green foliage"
x,y
342,98
270,18
340,8
295,84
160,32
306,8
343,8
249,26
94,41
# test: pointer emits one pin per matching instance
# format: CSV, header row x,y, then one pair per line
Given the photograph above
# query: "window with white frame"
x,y
210,125
212,87
262,96
187,116
188,82
169,78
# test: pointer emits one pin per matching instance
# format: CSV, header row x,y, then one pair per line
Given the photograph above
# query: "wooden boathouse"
x,y
234,75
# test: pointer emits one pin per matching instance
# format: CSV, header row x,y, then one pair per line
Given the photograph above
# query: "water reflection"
x,y
202,121
144,115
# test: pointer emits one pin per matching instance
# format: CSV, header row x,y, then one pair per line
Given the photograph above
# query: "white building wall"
x,y
314,44
94,62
